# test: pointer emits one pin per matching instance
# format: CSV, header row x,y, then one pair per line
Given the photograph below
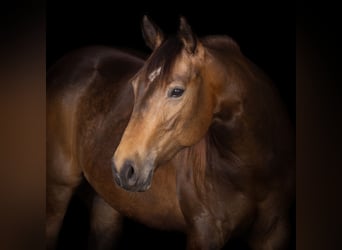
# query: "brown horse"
x,y
201,135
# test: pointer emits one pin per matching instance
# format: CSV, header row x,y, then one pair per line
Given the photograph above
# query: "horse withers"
x,y
198,142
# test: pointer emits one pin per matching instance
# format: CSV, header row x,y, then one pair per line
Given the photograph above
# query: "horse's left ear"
x,y
152,34
188,38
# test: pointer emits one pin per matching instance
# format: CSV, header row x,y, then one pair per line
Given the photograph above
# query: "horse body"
x,y
206,141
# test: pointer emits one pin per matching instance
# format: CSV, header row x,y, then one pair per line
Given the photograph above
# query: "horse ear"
x,y
152,34
188,38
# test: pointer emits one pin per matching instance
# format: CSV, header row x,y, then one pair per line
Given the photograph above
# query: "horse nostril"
x,y
128,170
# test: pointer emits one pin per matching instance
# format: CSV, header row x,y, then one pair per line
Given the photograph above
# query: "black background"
x,y
265,33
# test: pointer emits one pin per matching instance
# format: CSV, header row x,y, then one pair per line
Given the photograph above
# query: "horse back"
x,y
82,89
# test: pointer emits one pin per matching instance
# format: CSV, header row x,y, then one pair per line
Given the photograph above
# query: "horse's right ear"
x,y
152,34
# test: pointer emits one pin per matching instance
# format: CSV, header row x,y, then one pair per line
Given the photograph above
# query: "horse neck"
x,y
205,164
212,154
246,99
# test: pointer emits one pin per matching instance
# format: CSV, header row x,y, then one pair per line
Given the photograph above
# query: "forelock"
x,y
162,60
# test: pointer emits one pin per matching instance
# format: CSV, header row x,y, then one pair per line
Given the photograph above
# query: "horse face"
x,y
173,109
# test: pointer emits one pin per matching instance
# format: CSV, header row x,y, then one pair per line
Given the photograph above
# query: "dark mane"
x,y
164,57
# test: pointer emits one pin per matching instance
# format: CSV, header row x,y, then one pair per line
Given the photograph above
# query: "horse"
x,y
197,140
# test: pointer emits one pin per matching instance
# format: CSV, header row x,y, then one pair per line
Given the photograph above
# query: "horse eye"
x,y
176,92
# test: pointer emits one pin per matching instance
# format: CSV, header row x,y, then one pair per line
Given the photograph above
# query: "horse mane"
x,y
195,155
221,42
207,154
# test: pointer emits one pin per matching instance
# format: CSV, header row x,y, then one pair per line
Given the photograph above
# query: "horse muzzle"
x,y
130,178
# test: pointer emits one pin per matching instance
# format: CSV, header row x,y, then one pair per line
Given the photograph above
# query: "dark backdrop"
x,y
265,33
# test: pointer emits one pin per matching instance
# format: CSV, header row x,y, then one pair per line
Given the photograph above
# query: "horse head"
x,y
174,105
